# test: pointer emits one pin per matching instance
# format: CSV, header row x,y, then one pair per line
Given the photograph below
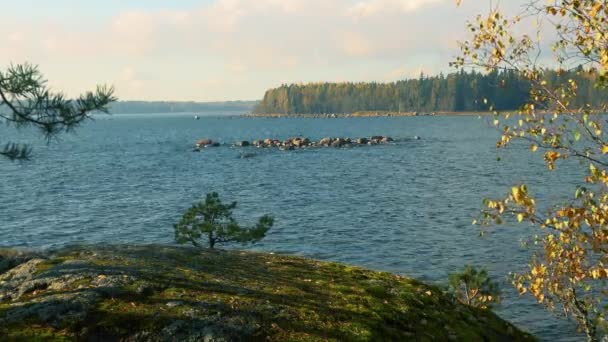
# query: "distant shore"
x,y
393,114
364,114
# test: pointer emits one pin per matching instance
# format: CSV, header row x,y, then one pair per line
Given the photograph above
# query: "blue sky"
x,y
209,50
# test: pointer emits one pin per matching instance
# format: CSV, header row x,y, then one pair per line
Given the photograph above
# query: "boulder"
x,y
387,139
362,141
204,142
339,142
267,142
243,143
247,155
325,142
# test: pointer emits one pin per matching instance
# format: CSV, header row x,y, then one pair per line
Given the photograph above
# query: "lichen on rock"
x,y
159,293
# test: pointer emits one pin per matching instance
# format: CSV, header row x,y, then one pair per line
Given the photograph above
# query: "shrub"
x,y
212,220
474,288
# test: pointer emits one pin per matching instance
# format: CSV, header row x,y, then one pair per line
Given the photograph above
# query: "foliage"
x,y
569,269
213,220
462,91
474,288
26,101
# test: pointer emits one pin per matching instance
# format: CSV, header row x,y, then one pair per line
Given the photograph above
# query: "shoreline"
x,y
366,114
377,114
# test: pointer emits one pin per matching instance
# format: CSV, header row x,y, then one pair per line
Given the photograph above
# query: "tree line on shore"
x,y
455,92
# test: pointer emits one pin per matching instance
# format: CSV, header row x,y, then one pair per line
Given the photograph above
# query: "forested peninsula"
x,y
455,92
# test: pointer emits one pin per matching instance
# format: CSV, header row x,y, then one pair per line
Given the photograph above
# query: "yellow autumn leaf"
x,y
516,193
605,149
533,147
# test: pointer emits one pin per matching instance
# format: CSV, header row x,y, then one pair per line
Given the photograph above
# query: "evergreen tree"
x,y
462,91
26,101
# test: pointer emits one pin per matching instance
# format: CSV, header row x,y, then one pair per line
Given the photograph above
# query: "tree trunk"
x,y
211,241
590,328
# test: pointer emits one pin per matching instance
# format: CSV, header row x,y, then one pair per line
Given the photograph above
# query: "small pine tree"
x,y
474,288
212,220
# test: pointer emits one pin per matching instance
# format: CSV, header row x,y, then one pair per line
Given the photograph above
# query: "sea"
x,y
406,207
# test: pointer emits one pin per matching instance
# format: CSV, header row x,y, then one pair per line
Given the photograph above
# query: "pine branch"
x,y
23,93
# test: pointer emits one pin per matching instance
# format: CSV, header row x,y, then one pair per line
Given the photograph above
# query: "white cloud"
x,y
241,47
223,15
367,8
354,44
396,74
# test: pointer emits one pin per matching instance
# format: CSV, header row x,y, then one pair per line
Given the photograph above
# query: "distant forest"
x,y
462,91
137,107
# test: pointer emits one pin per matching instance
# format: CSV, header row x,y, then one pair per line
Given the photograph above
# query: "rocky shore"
x,y
166,293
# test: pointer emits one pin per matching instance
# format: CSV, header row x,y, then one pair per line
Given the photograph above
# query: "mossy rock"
x,y
157,293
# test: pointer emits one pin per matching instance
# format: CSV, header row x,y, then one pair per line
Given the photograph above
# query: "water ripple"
x,y
403,208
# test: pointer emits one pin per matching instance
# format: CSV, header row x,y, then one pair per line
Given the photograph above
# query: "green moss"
x,y
33,333
48,264
3,309
261,296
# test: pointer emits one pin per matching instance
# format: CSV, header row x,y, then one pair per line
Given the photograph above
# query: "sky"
x,y
218,50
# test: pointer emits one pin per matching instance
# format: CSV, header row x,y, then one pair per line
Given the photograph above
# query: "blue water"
x,y
405,207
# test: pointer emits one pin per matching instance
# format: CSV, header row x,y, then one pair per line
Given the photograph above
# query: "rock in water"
x,y
247,155
362,141
204,142
339,142
325,141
